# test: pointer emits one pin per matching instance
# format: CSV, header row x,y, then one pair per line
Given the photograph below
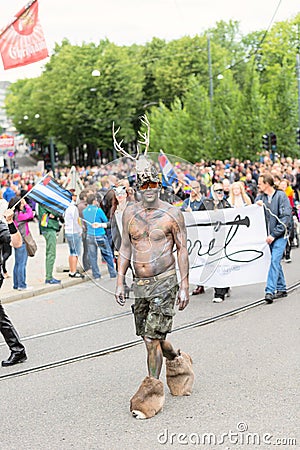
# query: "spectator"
x,y
73,235
96,222
23,214
10,192
49,223
81,206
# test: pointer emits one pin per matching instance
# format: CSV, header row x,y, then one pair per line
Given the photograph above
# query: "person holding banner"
x,y
194,201
278,214
217,201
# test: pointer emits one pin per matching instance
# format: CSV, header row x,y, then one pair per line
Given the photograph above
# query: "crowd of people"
x,y
93,221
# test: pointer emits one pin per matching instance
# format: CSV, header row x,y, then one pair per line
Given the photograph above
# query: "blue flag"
x,y
51,195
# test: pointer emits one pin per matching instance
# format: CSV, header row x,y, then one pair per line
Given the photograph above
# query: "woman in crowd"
x,y
23,214
238,196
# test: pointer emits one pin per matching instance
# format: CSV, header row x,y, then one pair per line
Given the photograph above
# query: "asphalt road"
x,y
246,375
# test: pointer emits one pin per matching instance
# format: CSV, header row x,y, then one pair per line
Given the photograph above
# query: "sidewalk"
x,y
36,270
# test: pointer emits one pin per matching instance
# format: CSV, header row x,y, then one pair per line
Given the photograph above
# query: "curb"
x,y
20,295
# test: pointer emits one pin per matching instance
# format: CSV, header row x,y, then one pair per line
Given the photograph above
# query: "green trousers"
x,y
50,237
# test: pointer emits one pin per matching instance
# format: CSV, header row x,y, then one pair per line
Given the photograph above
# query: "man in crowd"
x,y
151,228
194,201
96,222
278,218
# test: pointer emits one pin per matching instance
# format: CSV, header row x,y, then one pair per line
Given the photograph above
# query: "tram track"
x,y
125,345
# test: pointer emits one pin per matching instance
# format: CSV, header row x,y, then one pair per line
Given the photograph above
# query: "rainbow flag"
x,y
44,220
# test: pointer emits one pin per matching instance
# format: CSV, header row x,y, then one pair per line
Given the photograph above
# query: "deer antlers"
x,y
146,140
146,135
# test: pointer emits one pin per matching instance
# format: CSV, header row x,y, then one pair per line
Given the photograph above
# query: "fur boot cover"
x,y
180,374
148,400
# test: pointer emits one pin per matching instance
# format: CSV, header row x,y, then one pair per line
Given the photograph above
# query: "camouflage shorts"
x,y
154,307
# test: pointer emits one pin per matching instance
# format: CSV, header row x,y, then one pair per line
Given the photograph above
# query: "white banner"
x,y
227,247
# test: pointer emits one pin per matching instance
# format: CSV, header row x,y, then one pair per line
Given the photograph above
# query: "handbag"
x,y
30,243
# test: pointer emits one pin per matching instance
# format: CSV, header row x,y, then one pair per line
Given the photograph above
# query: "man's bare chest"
x,y
154,227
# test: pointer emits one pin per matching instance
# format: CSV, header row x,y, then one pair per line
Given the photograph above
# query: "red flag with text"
x,y
22,42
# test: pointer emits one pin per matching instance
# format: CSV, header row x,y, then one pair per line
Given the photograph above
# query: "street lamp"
x,y
96,73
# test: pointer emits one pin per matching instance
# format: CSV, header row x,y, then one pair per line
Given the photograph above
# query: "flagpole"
x,y
28,192
19,14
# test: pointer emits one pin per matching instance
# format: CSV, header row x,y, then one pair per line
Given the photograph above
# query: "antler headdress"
x,y
144,170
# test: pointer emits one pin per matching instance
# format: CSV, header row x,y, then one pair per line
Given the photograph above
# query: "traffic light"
x,y
273,139
298,136
266,142
56,154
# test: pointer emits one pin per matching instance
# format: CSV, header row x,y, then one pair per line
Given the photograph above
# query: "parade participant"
x,y
195,199
151,228
193,204
217,201
278,216
9,234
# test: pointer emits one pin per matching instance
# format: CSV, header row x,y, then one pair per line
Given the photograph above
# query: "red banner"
x,y
7,141
23,42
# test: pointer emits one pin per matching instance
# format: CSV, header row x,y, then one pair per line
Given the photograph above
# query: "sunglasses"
x,y
149,185
219,191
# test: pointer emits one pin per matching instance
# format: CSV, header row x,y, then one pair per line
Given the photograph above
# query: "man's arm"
x,y
123,258
180,238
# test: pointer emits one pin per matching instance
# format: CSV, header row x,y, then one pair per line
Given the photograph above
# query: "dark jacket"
x,y
280,207
210,204
4,239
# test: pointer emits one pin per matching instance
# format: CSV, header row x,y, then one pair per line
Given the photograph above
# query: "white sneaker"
x,y
217,300
28,288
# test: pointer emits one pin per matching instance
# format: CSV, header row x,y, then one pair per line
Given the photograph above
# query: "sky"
x,y
125,22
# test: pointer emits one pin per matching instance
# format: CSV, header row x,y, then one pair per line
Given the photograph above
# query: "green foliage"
x,y
254,92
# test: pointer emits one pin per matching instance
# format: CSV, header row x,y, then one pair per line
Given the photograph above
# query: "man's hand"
x,y
120,295
259,202
270,239
9,215
183,298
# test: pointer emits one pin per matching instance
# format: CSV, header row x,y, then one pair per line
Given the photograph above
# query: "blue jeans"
x,y
102,243
276,280
19,274
74,242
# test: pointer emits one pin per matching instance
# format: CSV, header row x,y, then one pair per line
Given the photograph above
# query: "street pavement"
x,y
246,393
